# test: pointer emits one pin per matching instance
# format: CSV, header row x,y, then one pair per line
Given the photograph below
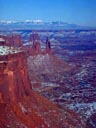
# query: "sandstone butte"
x,y
20,106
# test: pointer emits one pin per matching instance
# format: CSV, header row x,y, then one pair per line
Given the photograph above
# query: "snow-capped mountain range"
x,y
38,24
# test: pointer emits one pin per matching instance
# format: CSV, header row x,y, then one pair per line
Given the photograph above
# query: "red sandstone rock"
x,y
12,40
48,45
20,106
34,37
36,46
17,41
13,73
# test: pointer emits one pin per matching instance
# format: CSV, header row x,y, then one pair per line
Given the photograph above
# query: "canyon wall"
x,y
20,106
12,40
13,77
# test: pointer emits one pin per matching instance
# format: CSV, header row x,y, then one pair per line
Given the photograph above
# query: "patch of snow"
x,y
2,40
4,50
87,108
50,84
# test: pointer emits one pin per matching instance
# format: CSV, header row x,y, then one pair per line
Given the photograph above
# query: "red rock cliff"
x,y
13,77
12,40
20,107
15,93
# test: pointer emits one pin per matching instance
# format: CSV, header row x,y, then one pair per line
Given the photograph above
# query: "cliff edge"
x,y
20,106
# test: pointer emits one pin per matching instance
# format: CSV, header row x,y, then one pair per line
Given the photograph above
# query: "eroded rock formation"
x,y
20,106
14,78
12,40
48,45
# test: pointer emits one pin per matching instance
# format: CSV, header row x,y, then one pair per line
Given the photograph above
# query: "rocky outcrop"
x,y
36,43
17,40
48,45
14,79
35,46
12,40
34,37
23,108
15,93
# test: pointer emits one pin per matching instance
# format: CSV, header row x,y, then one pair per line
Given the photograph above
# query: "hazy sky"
x,y
81,12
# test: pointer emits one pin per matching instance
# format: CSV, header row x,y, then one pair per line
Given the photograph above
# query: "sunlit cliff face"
x,y
13,70
20,106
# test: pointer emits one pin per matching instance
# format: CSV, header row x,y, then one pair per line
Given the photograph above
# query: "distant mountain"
x,y
38,24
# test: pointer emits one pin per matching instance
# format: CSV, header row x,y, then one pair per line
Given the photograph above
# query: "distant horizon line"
x,y
38,21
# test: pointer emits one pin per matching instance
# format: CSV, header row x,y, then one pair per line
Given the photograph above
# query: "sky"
x,y
81,12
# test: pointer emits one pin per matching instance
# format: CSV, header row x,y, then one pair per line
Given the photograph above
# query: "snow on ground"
x,y
50,84
4,50
86,108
